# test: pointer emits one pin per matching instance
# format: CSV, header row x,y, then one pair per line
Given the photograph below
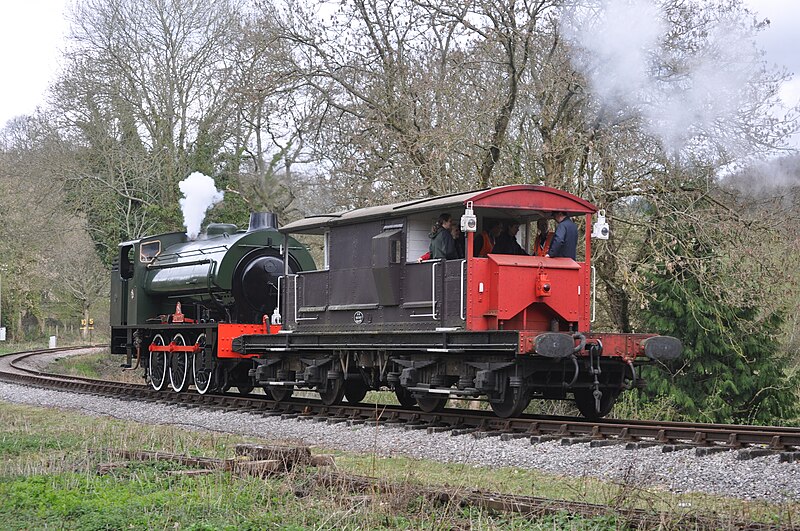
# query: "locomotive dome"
x,y
512,201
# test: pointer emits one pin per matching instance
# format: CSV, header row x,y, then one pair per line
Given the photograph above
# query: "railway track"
x,y
747,441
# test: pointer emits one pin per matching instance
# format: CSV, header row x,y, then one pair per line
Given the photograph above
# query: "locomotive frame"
x,y
177,303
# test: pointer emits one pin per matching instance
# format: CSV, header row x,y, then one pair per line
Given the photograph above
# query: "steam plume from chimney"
x,y
199,194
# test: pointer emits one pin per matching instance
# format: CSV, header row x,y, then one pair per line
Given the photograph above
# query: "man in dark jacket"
x,y
565,240
507,243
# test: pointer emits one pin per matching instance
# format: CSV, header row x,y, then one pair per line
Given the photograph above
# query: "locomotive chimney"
x,y
262,220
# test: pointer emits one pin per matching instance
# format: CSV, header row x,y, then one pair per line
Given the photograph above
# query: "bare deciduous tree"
x,y
49,261
143,100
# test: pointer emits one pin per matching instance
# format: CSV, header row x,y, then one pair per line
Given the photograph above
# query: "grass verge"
x,y
48,479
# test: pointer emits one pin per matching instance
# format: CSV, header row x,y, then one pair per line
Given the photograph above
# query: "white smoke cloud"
x,y
688,88
615,52
767,178
199,194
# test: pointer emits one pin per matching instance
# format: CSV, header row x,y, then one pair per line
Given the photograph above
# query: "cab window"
x,y
148,251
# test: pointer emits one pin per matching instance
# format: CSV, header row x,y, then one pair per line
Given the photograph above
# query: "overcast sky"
x,y
781,42
32,32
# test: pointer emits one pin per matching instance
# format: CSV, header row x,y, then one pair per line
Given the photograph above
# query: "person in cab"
x,y
543,238
565,240
459,239
507,241
442,243
485,241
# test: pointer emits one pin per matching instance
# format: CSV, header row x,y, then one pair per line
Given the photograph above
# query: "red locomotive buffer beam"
x,y
226,332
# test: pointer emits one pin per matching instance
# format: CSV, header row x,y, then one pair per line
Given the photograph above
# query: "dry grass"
x,y
100,365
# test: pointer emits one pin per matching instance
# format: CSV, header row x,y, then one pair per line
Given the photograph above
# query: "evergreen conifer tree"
x,y
730,371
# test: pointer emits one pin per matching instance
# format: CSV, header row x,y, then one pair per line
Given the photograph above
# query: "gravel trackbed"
x,y
763,478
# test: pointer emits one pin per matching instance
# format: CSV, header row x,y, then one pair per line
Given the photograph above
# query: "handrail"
x,y
151,266
463,309
278,305
296,318
212,267
594,294
192,252
433,293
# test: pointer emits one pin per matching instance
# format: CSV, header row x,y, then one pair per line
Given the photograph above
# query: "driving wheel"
x,y
179,366
158,364
202,367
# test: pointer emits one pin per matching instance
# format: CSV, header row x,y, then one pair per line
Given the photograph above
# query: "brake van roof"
x,y
520,198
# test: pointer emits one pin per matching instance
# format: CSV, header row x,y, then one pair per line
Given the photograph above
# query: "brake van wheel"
x,y
179,366
431,403
334,393
404,397
202,367
355,390
585,402
281,394
158,364
513,403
